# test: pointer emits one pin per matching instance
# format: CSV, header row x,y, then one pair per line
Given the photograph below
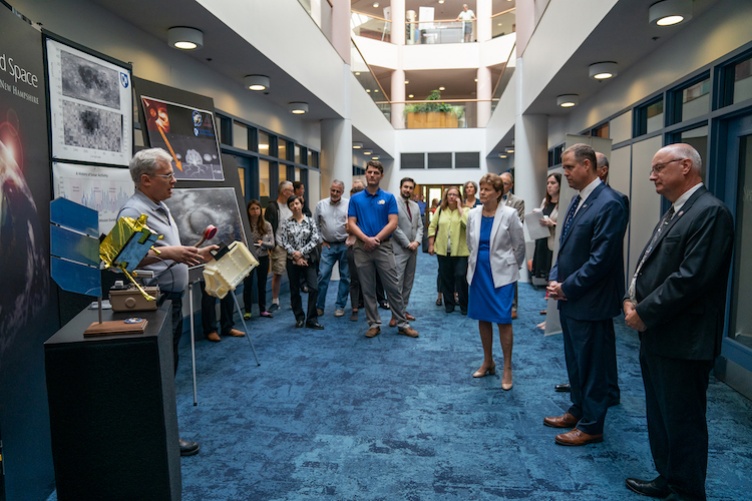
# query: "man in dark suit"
x,y
677,302
588,283
614,393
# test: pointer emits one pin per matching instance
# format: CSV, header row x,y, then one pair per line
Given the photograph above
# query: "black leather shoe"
x,y
656,488
563,388
314,325
299,324
188,448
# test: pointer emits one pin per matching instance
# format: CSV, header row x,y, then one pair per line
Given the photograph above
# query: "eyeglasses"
x,y
169,176
657,168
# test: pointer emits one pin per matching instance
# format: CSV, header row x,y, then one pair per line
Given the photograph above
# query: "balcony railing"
x,y
444,114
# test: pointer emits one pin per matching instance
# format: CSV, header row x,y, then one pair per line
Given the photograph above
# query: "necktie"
x,y
656,233
409,214
570,216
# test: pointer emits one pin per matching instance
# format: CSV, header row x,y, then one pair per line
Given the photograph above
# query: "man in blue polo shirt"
x,y
372,217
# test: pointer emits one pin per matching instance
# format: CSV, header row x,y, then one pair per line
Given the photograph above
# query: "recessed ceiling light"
x,y
442,88
670,12
367,152
567,100
411,96
185,38
357,73
407,82
603,71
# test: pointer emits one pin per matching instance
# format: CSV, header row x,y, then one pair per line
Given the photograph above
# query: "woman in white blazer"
x,y
496,243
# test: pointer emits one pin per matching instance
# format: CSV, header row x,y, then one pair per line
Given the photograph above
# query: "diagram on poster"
x,y
91,106
196,208
188,135
104,189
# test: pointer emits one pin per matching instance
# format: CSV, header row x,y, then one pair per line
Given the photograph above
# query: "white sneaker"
x,y
339,313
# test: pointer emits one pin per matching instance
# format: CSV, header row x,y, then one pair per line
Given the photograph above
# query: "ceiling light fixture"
x,y
256,82
357,145
297,107
407,82
185,38
411,96
567,100
367,152
375,157
604,70
670,12
509,150
442,88
501,155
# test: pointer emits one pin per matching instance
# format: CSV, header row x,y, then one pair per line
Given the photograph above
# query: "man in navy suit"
x,y
677,302
588,283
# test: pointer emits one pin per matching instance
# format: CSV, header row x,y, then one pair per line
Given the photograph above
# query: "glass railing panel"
x,y
365,76
503,23
444,114
368,26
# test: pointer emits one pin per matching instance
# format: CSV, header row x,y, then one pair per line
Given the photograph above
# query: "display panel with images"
x,y
196,208
104,189
188,134
91,106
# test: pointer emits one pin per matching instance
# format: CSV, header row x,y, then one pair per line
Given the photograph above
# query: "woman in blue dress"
x,y
497,251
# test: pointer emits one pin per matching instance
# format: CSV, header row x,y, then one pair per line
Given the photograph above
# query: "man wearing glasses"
x,y
151,171
677,302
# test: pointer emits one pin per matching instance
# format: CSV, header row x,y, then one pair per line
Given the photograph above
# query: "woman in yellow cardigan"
x,y
446,239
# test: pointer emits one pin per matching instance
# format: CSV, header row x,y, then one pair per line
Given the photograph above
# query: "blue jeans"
x,y
330,255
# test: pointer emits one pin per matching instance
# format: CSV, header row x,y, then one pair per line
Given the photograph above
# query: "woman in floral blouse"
x,y
300,238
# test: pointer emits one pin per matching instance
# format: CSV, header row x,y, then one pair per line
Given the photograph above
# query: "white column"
x,y
530,153
398,99
336,153
483,12
397,27
340,38
483,91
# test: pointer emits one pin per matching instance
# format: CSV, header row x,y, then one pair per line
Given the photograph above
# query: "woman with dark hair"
x,y
262,238
446,239
299,236
496,244
544,247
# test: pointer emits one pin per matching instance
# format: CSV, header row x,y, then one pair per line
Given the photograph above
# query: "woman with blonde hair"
x,y
446,239
496,245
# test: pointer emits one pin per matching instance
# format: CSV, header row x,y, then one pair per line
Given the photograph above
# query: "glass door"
x,y
736,191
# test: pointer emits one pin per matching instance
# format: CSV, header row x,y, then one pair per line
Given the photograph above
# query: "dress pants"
x,y
308,273
587,360
379,260
406,261
177,321
453,277
336,252
675,404
261,272
209,312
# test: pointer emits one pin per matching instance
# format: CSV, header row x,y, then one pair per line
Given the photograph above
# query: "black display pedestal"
x,y
113,415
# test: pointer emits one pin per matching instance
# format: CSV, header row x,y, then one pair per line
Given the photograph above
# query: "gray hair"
x,y
146,162
341,183
283,185
687,151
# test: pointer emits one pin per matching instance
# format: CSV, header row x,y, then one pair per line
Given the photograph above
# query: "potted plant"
x,y
432,113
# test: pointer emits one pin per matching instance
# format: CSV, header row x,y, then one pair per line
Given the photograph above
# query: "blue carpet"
x,y
333,415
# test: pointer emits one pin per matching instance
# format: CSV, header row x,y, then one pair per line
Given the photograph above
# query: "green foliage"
x,y
434,105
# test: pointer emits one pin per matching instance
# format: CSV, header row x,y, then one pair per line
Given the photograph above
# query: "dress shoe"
x,y
543,312
236,333
373,331
393,322
576,438
188,448
354,316
213,337
656,488
299,324
490,371
314,325
438,301
463,312
508,385
407,331
566,420
409,317
563,388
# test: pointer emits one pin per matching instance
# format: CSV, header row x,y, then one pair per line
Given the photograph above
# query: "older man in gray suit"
x,y
407,240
